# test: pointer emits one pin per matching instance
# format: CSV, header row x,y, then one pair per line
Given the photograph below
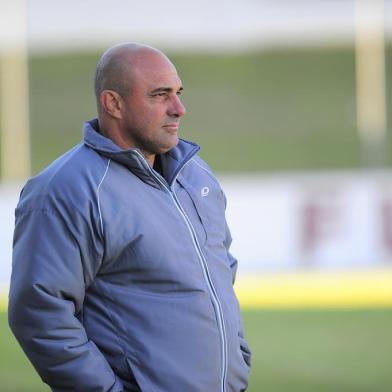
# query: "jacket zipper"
x,y
207,276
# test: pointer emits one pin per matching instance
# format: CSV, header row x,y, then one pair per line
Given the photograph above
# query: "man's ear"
x,y
111,103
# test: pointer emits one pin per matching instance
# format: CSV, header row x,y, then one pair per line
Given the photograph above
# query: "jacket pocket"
x,y
245,351
134,385
211,212
246,356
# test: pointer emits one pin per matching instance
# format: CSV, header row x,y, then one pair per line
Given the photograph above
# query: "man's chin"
x,y
173,142
168,145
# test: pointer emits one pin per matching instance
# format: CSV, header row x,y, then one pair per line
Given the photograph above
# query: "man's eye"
x,y
179,92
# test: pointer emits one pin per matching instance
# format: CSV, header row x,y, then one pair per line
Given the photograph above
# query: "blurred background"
x,y
290,102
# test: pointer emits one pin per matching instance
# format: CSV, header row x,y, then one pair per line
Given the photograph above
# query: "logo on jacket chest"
x,y
205,191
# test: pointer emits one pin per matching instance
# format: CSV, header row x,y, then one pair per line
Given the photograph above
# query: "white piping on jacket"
x,y
210,284
99,186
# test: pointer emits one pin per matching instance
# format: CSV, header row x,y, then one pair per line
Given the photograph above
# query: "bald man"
x,y
122,277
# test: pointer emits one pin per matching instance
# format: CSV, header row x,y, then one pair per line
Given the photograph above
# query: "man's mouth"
x,y
173,126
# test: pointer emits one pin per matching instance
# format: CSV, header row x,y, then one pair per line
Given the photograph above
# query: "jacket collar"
x,y
172,161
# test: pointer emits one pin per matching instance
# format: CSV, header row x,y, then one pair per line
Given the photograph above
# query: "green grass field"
x,y
294,351
273,110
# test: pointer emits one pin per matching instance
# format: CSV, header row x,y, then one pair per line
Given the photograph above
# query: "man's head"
x,y
137,90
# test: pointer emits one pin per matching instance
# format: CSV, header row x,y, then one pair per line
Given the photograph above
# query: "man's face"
x,y
151,113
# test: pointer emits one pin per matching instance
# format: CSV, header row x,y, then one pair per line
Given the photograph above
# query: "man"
x,y
122,278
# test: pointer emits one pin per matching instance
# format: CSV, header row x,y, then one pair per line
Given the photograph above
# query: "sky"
x,y
226,25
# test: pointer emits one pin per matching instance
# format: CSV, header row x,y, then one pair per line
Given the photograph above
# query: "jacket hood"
x,y
172,161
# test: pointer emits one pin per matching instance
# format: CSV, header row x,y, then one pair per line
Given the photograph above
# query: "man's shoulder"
x,y
71,178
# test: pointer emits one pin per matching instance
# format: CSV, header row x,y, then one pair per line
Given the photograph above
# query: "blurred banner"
x,y
313,220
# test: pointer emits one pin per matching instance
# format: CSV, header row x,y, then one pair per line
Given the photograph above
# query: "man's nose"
x,y
176,108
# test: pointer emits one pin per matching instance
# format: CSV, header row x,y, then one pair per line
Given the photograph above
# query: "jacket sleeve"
x,y
54,259
246,352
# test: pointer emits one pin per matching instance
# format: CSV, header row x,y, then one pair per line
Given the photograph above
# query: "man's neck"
x,y
157,165
122,143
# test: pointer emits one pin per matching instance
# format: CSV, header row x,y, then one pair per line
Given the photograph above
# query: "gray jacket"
x,y
122,278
